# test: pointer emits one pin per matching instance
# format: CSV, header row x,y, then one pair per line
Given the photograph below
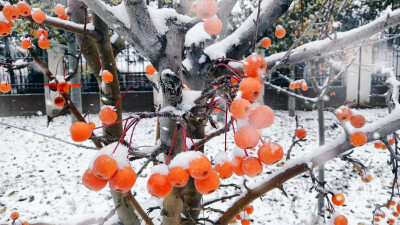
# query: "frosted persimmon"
x,y
340,220
270,153
80,131
266,42
262,117
107,115
25,44
200,168
249,209
10,12
104,167
150,70
251,88
92,182
240,108
158,185
252,166
301,133
44,43
246,137
391,221
367,179
14,215
280,32
357,121
224,170
38,16
5,88
59,10
304,87
398,207
107,77
41,32
63,87
338,199
59,101
213,26
208,185
358,139
237,166
206,9
344,114
178,176
123,180
5,28
395,214
292,86
254,66
24,9
63,17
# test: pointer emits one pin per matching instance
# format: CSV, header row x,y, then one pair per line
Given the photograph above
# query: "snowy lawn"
x,y
41,178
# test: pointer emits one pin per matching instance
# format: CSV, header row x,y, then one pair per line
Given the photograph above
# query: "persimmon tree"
x,y
183,48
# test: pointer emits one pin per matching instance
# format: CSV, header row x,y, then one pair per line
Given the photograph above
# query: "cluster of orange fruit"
x,y
244,215
62,87
206,10
5,87
338,200
298,84
112,167
394,212
280,32
344,114
381,145
10,13
15,216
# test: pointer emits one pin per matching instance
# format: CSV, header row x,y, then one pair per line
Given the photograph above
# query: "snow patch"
x,y
184,159
120,155
221,158
196,35
160,169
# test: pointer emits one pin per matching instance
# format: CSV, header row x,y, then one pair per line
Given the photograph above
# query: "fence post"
x,y
75,93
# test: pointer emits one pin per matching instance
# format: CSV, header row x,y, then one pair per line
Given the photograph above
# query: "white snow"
x,y
160,17
90,26
120,155
196,35
114,38
120,12
160,169
221,158
3,18
184,159
238,152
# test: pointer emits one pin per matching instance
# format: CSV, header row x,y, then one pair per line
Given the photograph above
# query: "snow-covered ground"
x,y
41,178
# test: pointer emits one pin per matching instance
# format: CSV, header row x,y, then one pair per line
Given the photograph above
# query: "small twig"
x,y
112,213
220,199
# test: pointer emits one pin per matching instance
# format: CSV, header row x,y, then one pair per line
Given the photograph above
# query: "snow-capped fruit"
x,y
237,166
25,44
252,166
240,108
280,32
178,176
249,209
251,88
292,86
107,77
44,43
107,115
213,26
41,32
158,185
5,28
10,12
254,66
206,9
150,70
24,9
38,16
266,42
340,220
59,10
338,199
301,133
5,88
59,101
104,167
357,121
80,131
200,168
358,139
208,185
92,182
246,137
123,180
14,215
262,117
366,179
224,170
63,87
344,114
270,153
304,87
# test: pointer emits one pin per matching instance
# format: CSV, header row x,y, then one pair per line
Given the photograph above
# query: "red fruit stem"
x,y
133,129
184,141
215,107
33,29
62,57
123,134
219,100
172,145
262,141
126,91
226,122
233,127
245,151
233,70
190,138
65,67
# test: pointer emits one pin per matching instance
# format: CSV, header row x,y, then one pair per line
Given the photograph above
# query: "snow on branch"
x,y
234,45
292,94
343,40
